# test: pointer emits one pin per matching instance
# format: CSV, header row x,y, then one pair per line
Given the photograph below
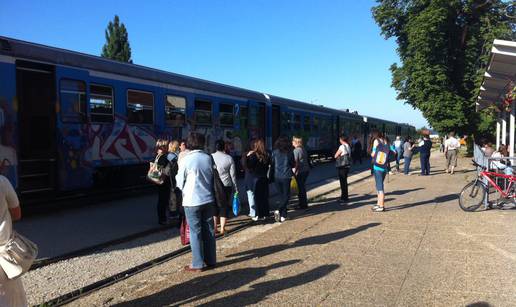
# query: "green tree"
x,y
443,47
117,42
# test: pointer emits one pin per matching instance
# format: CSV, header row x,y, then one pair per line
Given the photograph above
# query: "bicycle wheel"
x,y
472,196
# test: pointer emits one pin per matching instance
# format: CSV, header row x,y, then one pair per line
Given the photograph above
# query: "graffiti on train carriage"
x,y
86,146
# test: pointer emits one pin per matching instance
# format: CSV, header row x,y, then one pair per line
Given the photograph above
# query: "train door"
x,y
276,122
257,122
37,124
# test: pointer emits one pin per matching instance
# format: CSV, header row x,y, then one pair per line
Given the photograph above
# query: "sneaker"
x,y
378,209
254,218
282,219
276,216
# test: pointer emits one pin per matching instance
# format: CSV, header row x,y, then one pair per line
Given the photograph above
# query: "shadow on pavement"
x,y
315,240
437,200
205,286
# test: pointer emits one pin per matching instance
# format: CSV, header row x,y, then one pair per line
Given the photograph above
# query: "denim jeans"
x,y
283,189
301,183
399,154
202,235
250,201
406,167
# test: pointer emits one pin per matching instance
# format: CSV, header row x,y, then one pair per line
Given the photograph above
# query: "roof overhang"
x,y
500,74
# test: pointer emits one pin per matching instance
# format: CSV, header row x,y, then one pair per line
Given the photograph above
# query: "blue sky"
x,y
325,52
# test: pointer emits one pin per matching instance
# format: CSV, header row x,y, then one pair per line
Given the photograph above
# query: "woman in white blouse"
x,y
11,290
343,170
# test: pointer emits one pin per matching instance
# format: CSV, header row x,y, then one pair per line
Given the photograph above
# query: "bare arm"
x,y
12,200
15,213
232,173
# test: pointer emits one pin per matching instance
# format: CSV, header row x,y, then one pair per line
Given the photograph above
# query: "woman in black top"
x,y
164,188
257,166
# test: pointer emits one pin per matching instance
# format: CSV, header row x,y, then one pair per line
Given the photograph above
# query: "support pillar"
x,y
504,128
512,130
498,130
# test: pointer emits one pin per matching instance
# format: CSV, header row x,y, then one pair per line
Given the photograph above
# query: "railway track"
x,y
91,288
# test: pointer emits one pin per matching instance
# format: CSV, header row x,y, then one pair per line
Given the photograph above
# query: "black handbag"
x,y
342,161
218,187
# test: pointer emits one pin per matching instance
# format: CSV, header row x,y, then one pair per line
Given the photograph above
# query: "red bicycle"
x,y
475,193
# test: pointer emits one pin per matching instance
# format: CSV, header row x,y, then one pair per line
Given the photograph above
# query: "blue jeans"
x,y
283,189
399,155
406,167
202,235
250,201
379,177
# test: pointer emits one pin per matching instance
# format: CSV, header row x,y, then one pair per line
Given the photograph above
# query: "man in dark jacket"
x,y
425,146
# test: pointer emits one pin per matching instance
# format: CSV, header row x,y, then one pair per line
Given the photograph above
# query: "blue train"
x,y
74,122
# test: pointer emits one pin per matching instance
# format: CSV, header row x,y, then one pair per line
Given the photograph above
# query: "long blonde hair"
x,y
173,146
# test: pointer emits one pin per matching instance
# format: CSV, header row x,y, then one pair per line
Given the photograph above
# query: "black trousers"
x,y
301,183
163,200
343,178
261,197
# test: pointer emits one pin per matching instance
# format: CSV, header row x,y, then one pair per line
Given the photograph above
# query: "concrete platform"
x,y
66,231
423,251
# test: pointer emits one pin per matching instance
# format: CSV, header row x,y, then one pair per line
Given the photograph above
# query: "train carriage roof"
x,y
30,51
57,56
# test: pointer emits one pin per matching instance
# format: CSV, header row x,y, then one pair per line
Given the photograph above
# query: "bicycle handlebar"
x,y
478,165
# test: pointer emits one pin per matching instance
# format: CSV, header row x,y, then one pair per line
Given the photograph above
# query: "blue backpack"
x,y
382,155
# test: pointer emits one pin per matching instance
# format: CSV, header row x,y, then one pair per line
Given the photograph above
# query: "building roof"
x,y
500,74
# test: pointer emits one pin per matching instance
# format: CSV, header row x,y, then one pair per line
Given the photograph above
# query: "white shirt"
x,y
397,144
195,178
8,200
451,143
344,150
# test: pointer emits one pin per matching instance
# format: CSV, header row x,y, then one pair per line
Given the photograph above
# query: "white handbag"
x,y
17,255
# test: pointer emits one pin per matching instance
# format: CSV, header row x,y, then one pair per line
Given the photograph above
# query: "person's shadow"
x,y
206,285
261,290
314,240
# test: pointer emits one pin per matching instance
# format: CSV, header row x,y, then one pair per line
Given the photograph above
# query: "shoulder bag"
x,y
218,187
343,160
17,255
155,174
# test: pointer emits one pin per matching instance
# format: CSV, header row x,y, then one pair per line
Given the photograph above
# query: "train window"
x,y
175,110
285,121
306,123
101,103
202,112
226,115
316,124
140,106
243,117
73,100
297,122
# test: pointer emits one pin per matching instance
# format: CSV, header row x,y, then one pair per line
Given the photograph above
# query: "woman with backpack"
x,y
342,157
382,154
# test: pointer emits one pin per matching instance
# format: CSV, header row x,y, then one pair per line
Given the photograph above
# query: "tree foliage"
x,y
117,42
443,47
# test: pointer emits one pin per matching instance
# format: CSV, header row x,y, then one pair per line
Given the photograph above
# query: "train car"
x,y
74,122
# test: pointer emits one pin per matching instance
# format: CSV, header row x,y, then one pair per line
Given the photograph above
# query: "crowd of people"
x,y
189,172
